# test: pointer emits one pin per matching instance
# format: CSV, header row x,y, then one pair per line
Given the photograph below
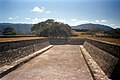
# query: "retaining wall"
x,y
72,41
11,51
107,56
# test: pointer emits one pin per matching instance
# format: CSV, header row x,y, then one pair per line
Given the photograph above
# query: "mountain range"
x,y
91,26
26,28
20,28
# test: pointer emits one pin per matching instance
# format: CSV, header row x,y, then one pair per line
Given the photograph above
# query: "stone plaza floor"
x,y
61,62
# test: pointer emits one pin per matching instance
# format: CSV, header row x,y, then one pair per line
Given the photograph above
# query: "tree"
x,y
50,28
95,30
9,31
115,33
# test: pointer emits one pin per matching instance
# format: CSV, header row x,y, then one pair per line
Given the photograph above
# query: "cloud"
x,y
74,20
35,20
13,17
61,20
10,18
38,9
44,19
43,7
103,21
48,11
100,21
27,18
97,21
112,24
77,22
82,22
116,26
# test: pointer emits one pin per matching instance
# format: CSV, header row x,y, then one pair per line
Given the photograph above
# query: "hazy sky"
x,y
73,12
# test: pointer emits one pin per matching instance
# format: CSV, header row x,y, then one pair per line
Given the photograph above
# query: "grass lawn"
x,y
117,41
112,40
84,35
18,39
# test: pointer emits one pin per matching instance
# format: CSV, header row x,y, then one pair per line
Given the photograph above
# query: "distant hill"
x,y
20,28
26,28
118,28
91,26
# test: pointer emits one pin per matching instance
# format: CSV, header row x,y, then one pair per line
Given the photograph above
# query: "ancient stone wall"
x,y
72,41
11,51
111,48
107,55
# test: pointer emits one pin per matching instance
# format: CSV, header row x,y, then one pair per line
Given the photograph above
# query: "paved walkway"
x,y
61,62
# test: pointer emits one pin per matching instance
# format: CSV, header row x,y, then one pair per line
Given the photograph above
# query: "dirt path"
x,y
62,62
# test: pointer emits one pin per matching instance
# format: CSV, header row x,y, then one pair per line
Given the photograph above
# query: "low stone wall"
x,y
72,41
111,48
11,51
107,56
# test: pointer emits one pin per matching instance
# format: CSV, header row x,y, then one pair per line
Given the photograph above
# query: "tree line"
x,y
53,29
48,28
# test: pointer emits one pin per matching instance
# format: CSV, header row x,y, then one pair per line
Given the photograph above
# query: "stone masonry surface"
x,y
72,41
107,56
61,62
11,51
105,60
113,49
95,69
